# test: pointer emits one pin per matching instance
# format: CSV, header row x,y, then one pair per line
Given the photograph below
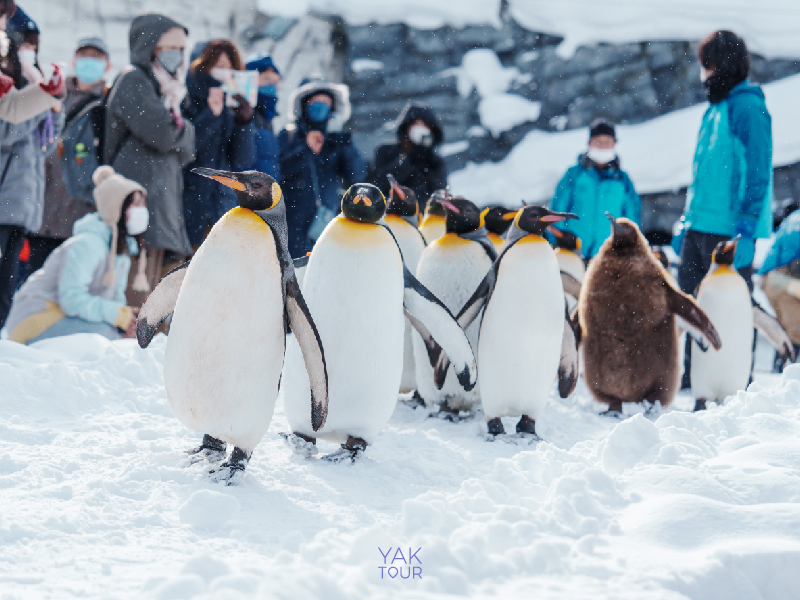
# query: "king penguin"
x,y
452,267
358,289
724,295
498,220
402,217
526,339
568,253
432,224
231,306
628,315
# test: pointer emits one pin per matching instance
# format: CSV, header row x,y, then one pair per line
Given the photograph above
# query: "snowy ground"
x,y
94,501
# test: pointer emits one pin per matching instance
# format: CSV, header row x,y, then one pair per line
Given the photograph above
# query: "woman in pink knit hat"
x,y
81,286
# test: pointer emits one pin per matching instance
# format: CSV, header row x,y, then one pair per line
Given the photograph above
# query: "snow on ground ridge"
x,y
95,498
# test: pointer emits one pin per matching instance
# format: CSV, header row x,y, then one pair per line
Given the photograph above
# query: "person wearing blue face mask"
x,y
90,65
267,148
317,160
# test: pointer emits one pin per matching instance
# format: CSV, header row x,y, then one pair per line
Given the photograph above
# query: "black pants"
x,y
695,263
11,240
41,248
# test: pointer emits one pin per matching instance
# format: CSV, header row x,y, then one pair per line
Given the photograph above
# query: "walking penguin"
x,y
628,315
231,305
358,290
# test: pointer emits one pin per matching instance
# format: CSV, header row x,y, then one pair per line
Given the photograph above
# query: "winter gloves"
x,y
57,85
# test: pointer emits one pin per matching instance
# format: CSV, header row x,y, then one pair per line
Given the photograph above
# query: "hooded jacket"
x,y
732,172
589,193
143,141
222,143
70,283
23,148
423,170
309,179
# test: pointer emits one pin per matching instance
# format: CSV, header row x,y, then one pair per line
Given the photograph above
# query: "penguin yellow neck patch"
x,y
244,217
724,270
532,238
451,240
347,232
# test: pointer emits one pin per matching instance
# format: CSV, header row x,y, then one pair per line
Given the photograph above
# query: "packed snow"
x,y
657,154
501,112
96,501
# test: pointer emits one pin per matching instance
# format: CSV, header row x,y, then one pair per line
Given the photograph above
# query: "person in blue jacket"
x,y
317,162
267,149
781,283
731,189
224,137
596,185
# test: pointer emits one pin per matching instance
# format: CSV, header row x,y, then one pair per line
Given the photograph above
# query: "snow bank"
x,y
94,497
423,14
656,154
769,26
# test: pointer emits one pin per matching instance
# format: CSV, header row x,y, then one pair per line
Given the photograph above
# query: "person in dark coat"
x,y
224,137
317,164
147,140
413,160
267,148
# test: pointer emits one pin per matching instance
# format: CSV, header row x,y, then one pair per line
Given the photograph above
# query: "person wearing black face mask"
x,y
316,162
731,193
412,160
267,150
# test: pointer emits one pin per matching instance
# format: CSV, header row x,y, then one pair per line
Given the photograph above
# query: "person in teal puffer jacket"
x,y
81,286
596,185
731,190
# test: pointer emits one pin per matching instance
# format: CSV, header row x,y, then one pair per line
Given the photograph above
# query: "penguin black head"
x,y
363,202
624,232
725,252
402,200
565,239
535,218
462,215
434,206
254,190
498,219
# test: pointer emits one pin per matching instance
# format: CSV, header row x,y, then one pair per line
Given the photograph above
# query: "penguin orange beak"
x,y
556,217
396,187
224,177
555,231
618,230
450,206
730,246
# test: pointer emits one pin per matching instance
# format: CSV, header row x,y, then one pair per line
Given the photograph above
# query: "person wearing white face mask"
x,y
81,286
594,185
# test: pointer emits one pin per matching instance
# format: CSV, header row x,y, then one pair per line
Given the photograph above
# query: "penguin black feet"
x,y
349,451
210,449
416,401
614,409
526,425
699,404
495,426
300,444
232,470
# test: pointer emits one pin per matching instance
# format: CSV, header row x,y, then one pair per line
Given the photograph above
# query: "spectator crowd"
x,y
98,200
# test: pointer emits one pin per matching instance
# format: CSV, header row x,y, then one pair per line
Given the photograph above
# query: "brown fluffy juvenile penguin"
x,y
628,314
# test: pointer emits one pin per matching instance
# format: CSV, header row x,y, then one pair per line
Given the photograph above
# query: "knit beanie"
x,y
110,191
602,127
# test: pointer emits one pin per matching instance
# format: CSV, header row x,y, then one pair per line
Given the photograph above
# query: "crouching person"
x,y
81,286
781,283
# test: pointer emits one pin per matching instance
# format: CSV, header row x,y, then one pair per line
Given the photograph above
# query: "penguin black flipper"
x,y
159,305
482,237
307,336
439,330
568,367
692,318
773,331
571,285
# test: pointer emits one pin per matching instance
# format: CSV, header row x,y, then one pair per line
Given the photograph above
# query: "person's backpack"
x,y
80,149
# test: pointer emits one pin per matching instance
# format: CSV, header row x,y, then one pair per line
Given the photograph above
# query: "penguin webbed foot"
x,y
351,450
450,413
699,404
526,425
299,444
613,413
415,401
210,449
232,470
495,427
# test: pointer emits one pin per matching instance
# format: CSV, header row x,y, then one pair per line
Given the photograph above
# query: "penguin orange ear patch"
x,y
276,194
509,216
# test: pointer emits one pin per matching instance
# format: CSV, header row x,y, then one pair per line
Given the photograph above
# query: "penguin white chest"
x,y
225,347
354,291
521,334
717,374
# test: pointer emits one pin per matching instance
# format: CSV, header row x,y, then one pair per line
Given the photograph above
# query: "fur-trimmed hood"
x,y
340,93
